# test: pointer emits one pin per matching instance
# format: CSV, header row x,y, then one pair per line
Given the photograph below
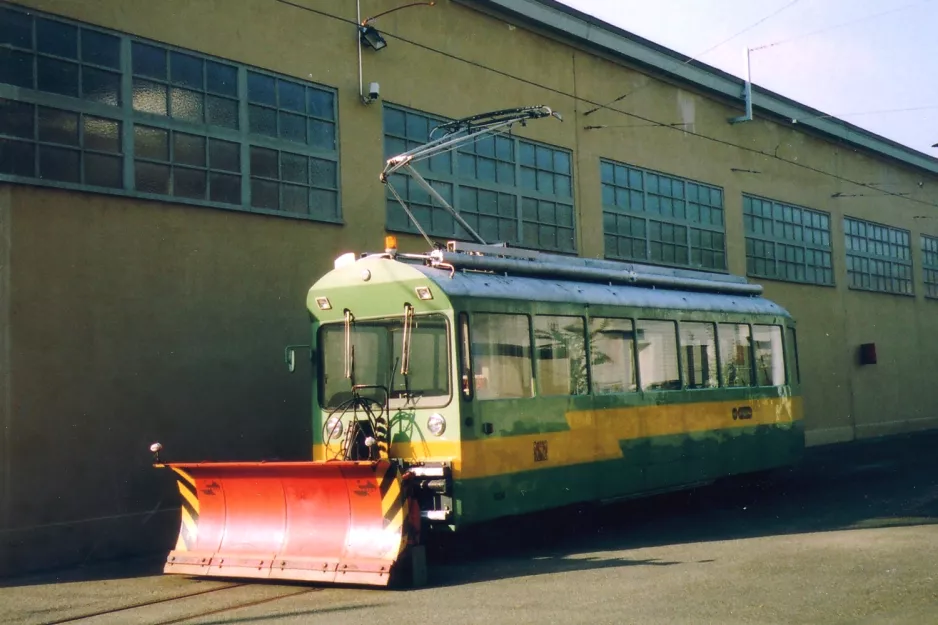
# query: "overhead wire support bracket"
x,y
747,93
456,134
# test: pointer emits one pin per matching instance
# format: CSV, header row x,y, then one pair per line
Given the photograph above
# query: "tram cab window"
x,y
560,348
612,360
699,348
770,362
657,355
501,356
735,355
374,355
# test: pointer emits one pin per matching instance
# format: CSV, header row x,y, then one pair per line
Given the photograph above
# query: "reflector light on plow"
x,y
333,522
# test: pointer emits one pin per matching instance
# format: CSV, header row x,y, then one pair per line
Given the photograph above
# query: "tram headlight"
x,y
333,428
436,424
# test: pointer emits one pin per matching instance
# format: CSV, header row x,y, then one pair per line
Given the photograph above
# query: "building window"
x,y
661,219
56,145
507,189
184,86
58,57
785,242
879,258
193,128
930,265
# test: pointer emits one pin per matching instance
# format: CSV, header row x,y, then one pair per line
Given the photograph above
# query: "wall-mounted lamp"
x,y
369,36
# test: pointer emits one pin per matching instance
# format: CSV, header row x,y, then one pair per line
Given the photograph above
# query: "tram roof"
x,y
475,284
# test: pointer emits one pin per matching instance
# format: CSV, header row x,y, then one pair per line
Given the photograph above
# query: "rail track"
x,y
181,619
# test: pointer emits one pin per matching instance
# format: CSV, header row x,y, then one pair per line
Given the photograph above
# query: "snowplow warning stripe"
x,y
190,509
391,504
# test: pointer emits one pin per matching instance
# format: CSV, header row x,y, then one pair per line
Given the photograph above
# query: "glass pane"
x,y
293,127
186,70
560,348
265,194
291,96
100,49
294,168
149,97
261,89
17,158
152,143
264,163
16,29
103,171
56,126
322,134
295,199
57,76
321,104
393,122
225,188
16,118
699,347
612,355
324,204
151,178
221,78
100,86
322,173
224,155
56,38
101,134
221,111
60,164
793,342
770,362
657,355
734,354
187,105
16,68
189,183
501,354
149,60
188,149
262,121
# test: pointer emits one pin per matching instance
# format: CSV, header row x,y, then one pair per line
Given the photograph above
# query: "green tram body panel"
x,y
514,456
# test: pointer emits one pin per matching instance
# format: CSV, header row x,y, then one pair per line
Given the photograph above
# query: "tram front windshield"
x,y
373,355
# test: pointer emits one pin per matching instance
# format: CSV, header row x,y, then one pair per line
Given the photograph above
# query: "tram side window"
x,y
501,354
770,360
793,341
699,345
612,347
560,347
735,355
657,355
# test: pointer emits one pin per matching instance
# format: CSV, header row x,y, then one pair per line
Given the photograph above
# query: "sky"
x,y
873,63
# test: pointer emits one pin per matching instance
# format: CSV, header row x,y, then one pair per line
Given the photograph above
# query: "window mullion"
x,y
245,147
126,115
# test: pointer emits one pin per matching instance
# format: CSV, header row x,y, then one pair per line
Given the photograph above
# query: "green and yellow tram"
x,y
535,381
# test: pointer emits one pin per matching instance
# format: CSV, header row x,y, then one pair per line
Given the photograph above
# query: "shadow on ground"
x,y
866,484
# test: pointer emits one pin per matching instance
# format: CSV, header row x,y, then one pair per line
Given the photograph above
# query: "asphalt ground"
x,y
849,536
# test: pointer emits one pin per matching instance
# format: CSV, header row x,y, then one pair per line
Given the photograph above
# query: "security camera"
x,y
374,91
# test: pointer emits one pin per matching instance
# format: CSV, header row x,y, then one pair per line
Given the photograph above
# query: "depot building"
x,y
175,175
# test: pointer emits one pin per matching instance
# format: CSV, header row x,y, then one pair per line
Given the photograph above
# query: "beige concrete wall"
x,y
135,320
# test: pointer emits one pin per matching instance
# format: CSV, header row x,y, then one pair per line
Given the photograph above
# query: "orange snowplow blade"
x,y
334,522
